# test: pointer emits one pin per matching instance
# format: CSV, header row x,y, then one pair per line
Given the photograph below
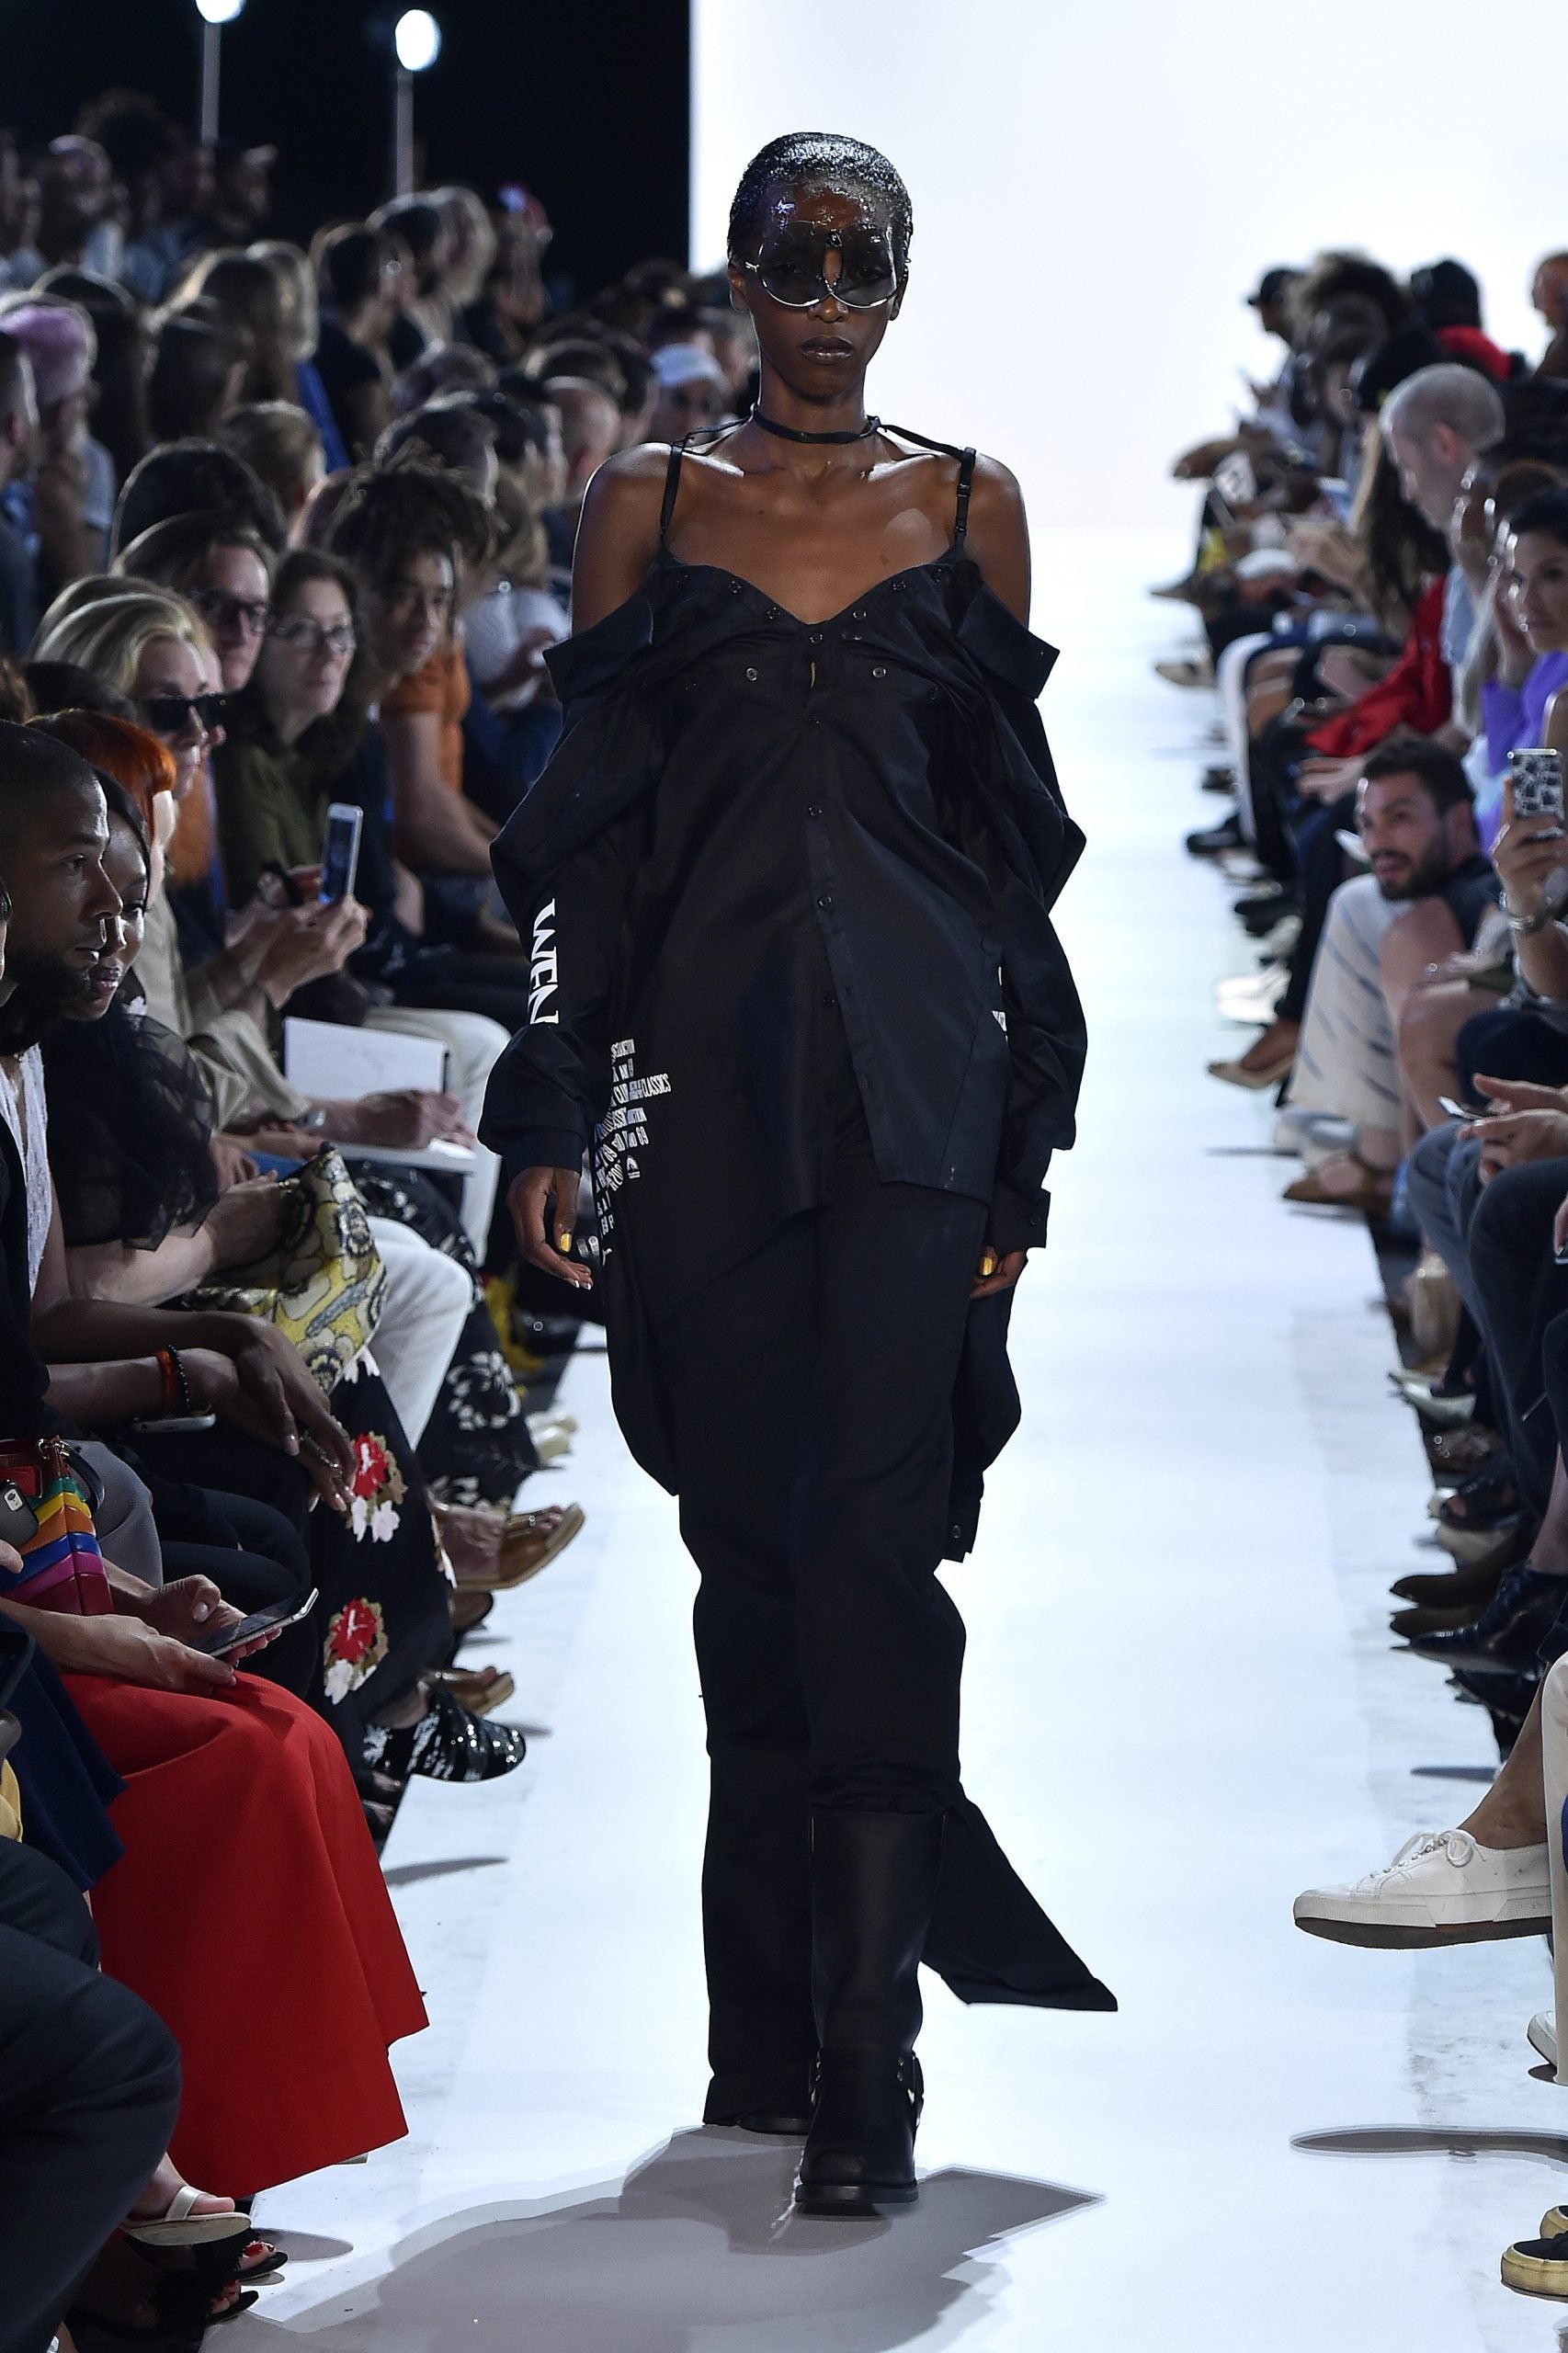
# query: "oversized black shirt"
x,y
754,827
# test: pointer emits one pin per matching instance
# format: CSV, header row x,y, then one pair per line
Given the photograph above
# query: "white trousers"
x,y
1347,1062
1230,677
428,1300
474,1045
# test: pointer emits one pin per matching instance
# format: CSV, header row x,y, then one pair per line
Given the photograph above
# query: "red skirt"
x,y
250,1912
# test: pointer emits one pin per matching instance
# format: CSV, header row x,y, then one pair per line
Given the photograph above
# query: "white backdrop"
x,y
1097,184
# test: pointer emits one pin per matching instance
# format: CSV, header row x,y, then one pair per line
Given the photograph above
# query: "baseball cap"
x,y
1272,287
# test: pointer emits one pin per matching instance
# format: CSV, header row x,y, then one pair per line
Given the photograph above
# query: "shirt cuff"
x,y
539,1148
1017,1221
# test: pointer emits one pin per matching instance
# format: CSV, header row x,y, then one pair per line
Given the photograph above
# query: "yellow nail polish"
x,y
987,1264
563,1242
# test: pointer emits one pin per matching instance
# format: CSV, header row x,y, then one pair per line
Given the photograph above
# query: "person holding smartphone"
x,y
785,887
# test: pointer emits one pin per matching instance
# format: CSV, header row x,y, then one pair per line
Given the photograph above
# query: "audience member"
x,y
1403,993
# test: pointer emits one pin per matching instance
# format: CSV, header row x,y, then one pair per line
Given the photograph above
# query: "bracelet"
x,y
171,1377
1525,927
178,1361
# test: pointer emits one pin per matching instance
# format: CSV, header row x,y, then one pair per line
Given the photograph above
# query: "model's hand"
x,y
543,1202
998,1271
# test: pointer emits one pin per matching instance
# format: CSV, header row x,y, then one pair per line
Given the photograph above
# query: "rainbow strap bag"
x,y
61,1565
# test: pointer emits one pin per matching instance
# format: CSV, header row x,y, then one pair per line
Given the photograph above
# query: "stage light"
x,y
214,16
417,39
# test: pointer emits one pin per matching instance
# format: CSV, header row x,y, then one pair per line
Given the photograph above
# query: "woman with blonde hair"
x,y
155,646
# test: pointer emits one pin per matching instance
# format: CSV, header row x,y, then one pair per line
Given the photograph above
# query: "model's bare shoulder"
x,y
999,533
617,536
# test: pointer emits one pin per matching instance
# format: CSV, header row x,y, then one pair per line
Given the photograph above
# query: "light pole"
x,y
417,42
214,15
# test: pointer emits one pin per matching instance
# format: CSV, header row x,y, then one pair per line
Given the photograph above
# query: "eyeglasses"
x,y
225,611
310,637
791,266
169,714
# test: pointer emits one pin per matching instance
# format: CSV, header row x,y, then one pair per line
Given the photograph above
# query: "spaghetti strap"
x,y
966,474
966,483
672,484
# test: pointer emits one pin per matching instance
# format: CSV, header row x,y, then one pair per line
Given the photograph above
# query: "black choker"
x,y
791,433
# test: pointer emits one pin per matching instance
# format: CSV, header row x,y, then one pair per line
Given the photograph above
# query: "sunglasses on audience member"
x,y
309,637
167,714
225,611
791,266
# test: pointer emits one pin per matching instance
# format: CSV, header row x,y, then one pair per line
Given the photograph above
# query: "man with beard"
x,y
1422,902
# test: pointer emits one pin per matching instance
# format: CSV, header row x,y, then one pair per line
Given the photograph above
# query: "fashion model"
x,y
787,883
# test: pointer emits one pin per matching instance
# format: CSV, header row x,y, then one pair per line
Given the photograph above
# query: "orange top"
x,y
442,686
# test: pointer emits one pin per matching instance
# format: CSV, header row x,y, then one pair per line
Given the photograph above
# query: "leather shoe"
x,y
1210,841
1525,1626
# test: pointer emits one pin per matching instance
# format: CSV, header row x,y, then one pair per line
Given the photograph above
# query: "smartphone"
x,y
340,851
18,1521
272,1619
1536,780
174,1425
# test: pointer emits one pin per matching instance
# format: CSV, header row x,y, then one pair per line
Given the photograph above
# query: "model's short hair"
x,y
817,159
1441,771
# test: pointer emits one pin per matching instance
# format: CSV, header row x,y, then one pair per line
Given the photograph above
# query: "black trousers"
x,y
811,1397
1523,1293
1507,1042
810,1394
89,2090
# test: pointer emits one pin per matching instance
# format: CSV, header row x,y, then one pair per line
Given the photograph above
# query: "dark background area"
x,y
587,106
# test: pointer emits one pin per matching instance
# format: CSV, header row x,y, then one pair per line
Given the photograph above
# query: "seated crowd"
x,y
1381,574
285,537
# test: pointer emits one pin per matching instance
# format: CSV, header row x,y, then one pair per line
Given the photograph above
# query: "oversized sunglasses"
x,y
791,268
167,714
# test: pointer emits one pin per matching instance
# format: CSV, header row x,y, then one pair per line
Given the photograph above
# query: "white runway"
x,y
1181,1707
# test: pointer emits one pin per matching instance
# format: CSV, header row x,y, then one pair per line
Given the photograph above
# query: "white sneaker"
x,y
1542,2034
1440,1888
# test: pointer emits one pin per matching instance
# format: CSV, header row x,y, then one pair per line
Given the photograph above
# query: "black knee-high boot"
x,y
873,1890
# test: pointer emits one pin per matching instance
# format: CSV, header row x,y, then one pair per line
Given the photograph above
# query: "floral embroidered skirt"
x,y
383,1613
476,1448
